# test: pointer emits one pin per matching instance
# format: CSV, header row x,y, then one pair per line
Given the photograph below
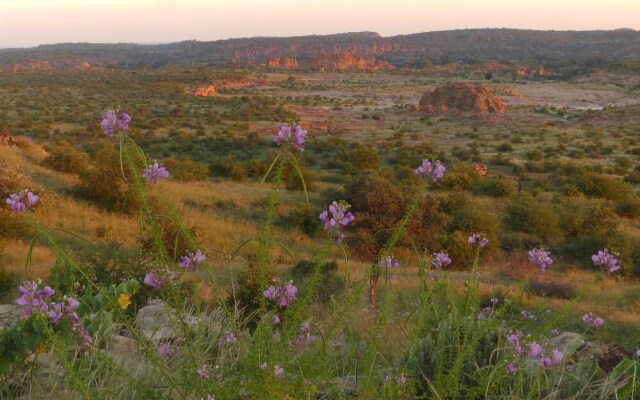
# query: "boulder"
x,y
461,97
10,314
159,322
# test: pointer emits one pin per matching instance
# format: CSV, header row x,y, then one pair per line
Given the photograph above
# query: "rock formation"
x,y
206,91
461,98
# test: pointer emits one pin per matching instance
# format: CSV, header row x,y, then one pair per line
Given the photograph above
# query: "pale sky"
x,y
27,23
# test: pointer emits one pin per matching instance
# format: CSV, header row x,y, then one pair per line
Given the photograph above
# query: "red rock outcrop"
x,y
206,91
461,98
531,72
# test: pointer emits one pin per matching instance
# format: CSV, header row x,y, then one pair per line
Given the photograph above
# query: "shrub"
x,y
525,214
186,170
495,187
64,157
305,217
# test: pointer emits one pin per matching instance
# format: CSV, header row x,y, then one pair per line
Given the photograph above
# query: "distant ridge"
x,y
412,50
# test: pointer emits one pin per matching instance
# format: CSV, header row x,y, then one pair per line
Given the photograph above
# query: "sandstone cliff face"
x,y
286,63
340,60
345,60
461,98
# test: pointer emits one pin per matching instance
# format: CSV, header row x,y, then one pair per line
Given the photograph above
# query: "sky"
x,y
28,23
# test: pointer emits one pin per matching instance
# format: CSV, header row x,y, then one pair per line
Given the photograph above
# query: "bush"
x,y
525,214
64,157
186,170
495,187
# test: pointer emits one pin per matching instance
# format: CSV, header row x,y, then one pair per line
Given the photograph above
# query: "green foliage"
x,y
328,283
103,182
64,157
495,187
525,214
186,170
305,217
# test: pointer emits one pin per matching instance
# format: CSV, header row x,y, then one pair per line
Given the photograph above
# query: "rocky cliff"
x,y
360,50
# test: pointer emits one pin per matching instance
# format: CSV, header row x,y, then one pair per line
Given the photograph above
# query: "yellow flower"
x,y
42,348
124,300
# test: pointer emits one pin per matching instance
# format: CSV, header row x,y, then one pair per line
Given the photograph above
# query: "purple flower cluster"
x,y
283,296
533,351
606,260
17,201
389,262
305,338
154,172
478,239
527,315
540,258
440,260
192,260
169,350
33,300
434,171
335,219
111,122
592,320
294,134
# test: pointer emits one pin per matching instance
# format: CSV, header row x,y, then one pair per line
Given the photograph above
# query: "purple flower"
x,y
264,366
32,199
606,260
514,339
511,369
294,134
272,293
434,171
534,350
540,258
275,320
192,260
204,372
556,357
164,351
335,219
389,262
545,362
211,397
440,260
592,320
230,338
278,371
554,332
111,122
154,172
17,201
151,280
527,315
33,299
281,295
478,239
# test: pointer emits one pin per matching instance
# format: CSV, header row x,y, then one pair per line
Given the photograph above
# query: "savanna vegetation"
x,y
263,287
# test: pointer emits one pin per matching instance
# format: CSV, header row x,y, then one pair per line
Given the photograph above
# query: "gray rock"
x,y
591,351
568,343
9,315
159,322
